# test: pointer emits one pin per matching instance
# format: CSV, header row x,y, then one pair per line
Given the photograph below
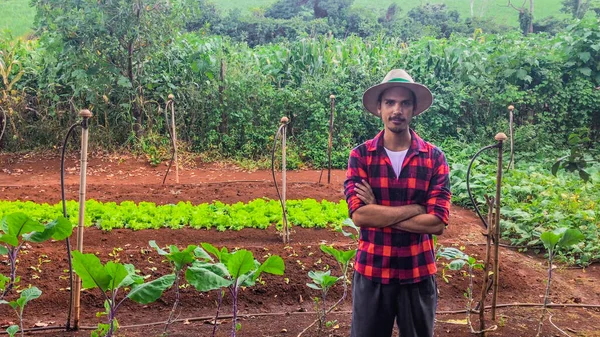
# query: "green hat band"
x,y
401,80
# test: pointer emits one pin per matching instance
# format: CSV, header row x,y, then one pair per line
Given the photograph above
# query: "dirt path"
x,y
522,277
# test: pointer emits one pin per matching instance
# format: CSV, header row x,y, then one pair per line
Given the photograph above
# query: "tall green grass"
x,y
17,16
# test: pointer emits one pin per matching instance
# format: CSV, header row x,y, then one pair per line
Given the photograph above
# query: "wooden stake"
x,y
85,115
511,162
486,266
331,116
501,137
174,135
286,229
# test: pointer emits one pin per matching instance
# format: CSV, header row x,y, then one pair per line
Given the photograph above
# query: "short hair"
x,y
412,94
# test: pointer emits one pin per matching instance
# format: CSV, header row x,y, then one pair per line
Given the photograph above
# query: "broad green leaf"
x,y
132,277
313,286
183,258
212,250
28,295
586,71
457,264
205,279
59,229
90,270
17,224
273,265
3,250
348,255
337,255
149,292
324,279
160,251
117,273
549,239
240,262
202,254
12,330
570,237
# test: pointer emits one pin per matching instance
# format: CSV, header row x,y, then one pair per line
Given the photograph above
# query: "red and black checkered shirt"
x,y
387,255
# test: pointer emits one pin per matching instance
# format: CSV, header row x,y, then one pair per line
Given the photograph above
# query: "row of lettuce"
x,y
533,201
259,213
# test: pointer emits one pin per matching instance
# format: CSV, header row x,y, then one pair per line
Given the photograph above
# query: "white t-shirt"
x,y
397,158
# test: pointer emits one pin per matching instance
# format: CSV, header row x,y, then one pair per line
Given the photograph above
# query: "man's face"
x,y
396,109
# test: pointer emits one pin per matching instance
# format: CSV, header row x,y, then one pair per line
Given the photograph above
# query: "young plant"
x,y
111,278
18,306
458,259
323,281
18,228
231,271
179,259
553,241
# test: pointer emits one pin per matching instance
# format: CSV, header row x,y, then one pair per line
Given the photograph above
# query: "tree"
x,y
118,37
525,16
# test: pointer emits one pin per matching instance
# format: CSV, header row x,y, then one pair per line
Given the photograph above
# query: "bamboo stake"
x,y
486,266
286,229
501,137
174,135
85,115
331,116
511,162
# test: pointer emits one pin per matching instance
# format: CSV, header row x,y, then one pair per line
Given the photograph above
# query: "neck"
x,y
397,141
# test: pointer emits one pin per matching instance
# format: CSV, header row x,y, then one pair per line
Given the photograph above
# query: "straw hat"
x,y
398,78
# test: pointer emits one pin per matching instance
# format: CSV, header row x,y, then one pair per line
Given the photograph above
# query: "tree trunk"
x,y
135,107
530,30
472,7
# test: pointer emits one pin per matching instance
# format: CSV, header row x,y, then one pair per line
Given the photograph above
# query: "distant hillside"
x,y
17,16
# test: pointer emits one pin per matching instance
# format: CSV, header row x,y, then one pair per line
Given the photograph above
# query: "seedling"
x,y
19,305
112,277
323,281
179,260
18,228
553,241
231,271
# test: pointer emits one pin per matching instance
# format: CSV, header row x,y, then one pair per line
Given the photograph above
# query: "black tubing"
x,y
469,186
64,207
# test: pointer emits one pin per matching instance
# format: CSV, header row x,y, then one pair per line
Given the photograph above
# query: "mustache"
x,y
402,119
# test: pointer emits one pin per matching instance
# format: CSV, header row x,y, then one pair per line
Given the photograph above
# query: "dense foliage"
x,y
229,97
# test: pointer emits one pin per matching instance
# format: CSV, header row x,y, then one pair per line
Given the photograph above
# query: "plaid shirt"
x,y
387,255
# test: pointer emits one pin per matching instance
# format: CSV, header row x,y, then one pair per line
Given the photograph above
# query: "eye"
x,y
407,103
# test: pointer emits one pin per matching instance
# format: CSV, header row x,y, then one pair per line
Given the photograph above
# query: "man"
x,y
398,193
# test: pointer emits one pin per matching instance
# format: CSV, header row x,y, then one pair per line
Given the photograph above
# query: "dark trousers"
x,y
375,306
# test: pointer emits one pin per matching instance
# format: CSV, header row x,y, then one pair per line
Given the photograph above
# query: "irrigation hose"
x,y
273,171
469,186
170,138
286,313
64,208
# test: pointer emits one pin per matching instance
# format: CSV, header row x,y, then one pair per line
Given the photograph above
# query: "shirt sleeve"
x,y
438,196
356,172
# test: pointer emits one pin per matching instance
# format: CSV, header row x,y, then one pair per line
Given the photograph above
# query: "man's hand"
x,y
364,192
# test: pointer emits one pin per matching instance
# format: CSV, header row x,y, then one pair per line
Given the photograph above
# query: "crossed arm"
x,y
411,218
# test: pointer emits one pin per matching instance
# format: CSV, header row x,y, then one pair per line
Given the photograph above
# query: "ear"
x,y
379,109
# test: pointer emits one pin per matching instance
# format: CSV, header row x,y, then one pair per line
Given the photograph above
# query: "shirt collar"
x,y
417,144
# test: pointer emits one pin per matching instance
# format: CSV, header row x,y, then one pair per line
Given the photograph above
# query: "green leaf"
x,y
3,250
549,239
160,251
457,264
570,237
149,292
117,273
273,265
27,295
313,286
3,281
202,254
183,258
91,271
211,249
585,56
239,263
59,229
12,330
586,71
17,224
337,255
206,279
